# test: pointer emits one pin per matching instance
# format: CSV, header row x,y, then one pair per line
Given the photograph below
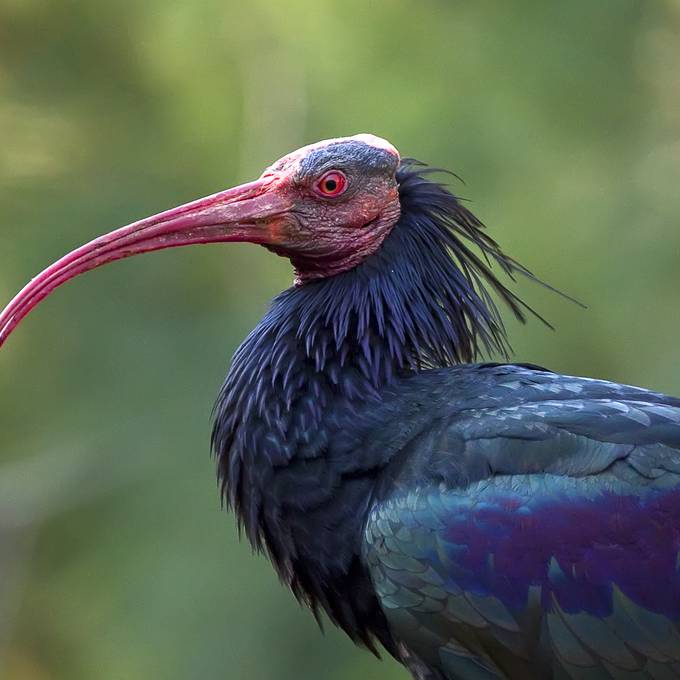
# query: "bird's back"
x,y
529,527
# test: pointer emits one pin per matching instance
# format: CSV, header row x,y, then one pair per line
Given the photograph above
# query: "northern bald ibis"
x,y
477,520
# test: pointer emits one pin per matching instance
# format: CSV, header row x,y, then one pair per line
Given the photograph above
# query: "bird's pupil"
x,y
331,185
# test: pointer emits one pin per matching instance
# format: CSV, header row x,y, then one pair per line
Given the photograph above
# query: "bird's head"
x,y
340,200
326,207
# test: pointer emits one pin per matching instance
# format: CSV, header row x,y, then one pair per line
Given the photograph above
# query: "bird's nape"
x,y
457,257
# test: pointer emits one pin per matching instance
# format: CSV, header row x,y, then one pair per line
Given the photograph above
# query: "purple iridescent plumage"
x,y
575,549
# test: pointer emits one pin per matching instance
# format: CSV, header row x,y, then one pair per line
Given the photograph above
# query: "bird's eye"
x,y
330,184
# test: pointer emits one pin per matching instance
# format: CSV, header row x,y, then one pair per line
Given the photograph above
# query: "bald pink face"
x,y
326,206
344,202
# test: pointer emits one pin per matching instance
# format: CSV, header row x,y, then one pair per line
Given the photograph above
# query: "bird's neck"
x,y
298,441
285,435
318,354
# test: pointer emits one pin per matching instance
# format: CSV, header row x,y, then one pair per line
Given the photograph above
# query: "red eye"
x,y
332,183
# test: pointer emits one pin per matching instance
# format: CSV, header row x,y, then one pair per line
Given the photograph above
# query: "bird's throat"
x,y
340,250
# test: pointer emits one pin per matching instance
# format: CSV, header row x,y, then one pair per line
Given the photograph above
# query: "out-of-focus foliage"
x,y
115,558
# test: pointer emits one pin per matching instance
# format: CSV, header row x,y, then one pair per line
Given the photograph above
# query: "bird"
x,y
476,519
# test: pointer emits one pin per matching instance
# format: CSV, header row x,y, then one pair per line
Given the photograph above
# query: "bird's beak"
x,y
245,213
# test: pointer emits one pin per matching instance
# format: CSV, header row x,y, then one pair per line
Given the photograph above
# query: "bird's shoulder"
x,y
461,425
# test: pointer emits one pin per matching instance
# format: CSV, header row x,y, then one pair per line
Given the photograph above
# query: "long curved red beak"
x,y
243,213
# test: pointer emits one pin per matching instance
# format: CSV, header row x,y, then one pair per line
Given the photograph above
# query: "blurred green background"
x,y
115,558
